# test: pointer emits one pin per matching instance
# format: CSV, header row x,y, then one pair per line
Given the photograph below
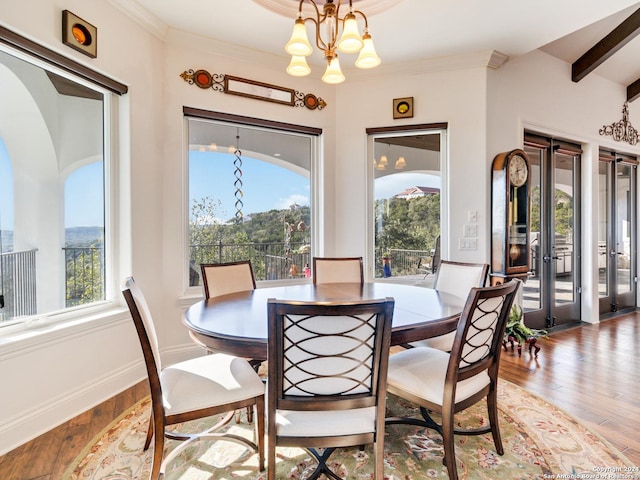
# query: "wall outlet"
x,y
468,244
473,216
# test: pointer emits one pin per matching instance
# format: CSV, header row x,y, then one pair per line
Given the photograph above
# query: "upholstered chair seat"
x,y
328,423
225,378
422,372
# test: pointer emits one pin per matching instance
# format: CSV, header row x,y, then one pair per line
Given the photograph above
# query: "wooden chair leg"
x,y
158,450
259,431
448,442
492,407
147,441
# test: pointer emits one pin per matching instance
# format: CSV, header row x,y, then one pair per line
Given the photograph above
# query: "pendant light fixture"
x,y
341,34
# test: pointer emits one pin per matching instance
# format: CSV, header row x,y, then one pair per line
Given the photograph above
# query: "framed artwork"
x,y
258,90
79,34
403,107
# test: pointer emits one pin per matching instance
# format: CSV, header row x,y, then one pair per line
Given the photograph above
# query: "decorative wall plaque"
x,y
403,107
79,34
252,89
622,130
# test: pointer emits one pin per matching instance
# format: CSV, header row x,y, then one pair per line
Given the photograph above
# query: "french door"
x,y
617,232
552,293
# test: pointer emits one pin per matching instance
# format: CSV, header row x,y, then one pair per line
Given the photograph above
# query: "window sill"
x,y
47,329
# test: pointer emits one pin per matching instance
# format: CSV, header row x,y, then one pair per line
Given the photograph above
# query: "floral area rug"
x,y
540,442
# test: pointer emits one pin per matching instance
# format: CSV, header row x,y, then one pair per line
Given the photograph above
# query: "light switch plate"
x,y
470,230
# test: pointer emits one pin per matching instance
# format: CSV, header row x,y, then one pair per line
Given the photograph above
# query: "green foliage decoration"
x,y
517,330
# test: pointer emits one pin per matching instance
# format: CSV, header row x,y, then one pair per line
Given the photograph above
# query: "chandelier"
x,y
349,41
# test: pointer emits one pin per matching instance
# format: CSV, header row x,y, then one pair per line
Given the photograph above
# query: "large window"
x,y
250,197
52,178
407,185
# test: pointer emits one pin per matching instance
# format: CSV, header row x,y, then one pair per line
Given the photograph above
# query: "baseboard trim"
x,y
42,418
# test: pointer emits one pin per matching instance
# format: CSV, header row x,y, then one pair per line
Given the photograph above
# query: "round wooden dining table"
x,y
237,323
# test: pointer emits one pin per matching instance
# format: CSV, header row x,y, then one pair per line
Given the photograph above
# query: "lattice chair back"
x,y
478,341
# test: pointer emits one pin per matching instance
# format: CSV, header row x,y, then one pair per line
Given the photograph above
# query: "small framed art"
x,y
79,34
403,107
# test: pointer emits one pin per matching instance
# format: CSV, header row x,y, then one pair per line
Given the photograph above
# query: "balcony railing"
x,y
17,284
270,261
84,275
84,270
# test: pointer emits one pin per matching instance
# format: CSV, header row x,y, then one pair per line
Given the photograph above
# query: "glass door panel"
x,y
562,247
617,232
624,229
604,208
616,257
551,293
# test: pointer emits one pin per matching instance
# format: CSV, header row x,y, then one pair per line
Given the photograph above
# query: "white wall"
x,y
53,377
535,92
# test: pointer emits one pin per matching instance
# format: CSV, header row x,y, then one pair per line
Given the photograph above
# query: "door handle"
x,y
548,258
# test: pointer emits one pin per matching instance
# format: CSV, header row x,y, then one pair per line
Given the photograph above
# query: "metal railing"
x,y
403,262
270,261
17,284
84,270
84,275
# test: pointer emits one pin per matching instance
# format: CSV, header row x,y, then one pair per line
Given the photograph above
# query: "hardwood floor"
x,y
591,371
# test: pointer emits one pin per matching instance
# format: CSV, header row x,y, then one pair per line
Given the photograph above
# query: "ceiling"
x,y
412,30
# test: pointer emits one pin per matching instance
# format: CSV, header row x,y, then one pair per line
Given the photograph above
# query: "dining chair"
x,y
223,278
326,386
192,389
447,383
337,270
456,278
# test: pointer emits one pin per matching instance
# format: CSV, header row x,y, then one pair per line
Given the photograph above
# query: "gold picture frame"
x,y
79,34
258,90
403,107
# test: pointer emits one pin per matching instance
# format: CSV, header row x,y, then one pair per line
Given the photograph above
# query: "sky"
x,y
264,186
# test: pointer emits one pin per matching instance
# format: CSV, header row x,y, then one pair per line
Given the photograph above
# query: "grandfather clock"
x,y
510,188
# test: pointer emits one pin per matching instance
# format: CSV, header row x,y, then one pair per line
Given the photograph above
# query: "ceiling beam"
x,y
606,47
633,91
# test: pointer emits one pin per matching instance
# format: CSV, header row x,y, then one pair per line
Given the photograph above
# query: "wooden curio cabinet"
x,y
510,222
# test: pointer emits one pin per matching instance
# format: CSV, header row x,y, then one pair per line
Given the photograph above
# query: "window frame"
x,y
315,176
112,92
374,133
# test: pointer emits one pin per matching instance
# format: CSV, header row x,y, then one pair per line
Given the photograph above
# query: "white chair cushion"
x,y
325,423
208,381
421,372
442,342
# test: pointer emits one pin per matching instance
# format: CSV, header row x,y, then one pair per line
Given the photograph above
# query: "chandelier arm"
x,y
364,17
320,18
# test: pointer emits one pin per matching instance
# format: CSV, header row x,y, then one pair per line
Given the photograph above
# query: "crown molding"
x,y
142,16
485,59
289,8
